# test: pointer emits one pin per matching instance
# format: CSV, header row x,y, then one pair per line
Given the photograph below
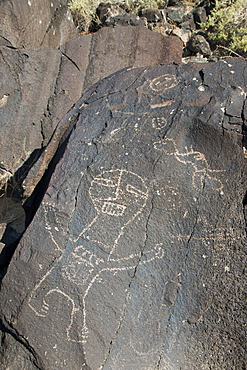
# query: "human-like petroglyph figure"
x,y
118,196
202,172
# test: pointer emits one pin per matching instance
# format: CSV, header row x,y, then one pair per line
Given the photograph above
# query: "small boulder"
x,y
188,22
200,16
108,10
178,14
152,15
125,20
198,44
182,33
174,2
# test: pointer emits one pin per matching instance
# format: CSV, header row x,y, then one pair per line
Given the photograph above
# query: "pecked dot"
x,y
201,88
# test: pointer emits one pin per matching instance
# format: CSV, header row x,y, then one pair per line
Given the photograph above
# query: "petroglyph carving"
x,y
202,173
162,104
54,224
164,82
118,196
159,122
4,175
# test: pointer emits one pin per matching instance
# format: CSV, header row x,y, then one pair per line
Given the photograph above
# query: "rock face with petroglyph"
x,y
31,105
38,87
135,257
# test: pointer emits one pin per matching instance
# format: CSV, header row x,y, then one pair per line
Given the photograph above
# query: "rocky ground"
x,y
173,17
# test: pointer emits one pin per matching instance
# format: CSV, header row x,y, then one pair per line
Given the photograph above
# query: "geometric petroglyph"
x,y
164,82
159,122
118,196
113,209
205,235
202,173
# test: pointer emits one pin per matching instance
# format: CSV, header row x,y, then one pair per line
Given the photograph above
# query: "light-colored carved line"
x,y
163,104
197,156
113,209
163,83
48,226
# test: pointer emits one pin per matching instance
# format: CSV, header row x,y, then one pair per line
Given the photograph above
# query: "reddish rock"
x,y
110,49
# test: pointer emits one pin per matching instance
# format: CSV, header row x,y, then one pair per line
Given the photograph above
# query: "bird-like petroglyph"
x,y
201,171
118,197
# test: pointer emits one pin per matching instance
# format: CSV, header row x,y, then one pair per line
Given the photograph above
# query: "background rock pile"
x,y
176,18
190,21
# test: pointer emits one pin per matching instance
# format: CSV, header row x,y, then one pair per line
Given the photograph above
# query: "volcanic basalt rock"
x,y
36,104
135,258
33,24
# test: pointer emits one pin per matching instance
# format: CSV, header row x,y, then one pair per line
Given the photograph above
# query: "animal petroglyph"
x,y
118,197
202,173
162,83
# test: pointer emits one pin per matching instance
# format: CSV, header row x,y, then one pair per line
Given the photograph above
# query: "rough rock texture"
x,y
110,49
135,258
24,96
35,104
198,44
34,23
107,10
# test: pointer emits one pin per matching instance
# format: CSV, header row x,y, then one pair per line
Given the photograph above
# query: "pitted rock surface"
x,y
34,24
135,258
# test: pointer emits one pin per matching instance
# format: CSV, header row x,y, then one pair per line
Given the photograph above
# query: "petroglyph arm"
x,y
37,298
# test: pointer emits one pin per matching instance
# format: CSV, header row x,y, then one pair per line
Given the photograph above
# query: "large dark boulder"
x,y
136,256
31,105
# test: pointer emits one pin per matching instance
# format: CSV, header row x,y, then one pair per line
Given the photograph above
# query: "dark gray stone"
x,y
124,20
136,257
24,96
200,16
198,44
99,55
176,13
175,2
152,15
31,106
108,10
36,104
188,22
